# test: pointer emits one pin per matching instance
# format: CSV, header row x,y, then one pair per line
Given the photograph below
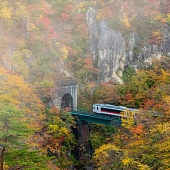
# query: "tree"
x,y
20,116
109,157
58,139
13,129
15,91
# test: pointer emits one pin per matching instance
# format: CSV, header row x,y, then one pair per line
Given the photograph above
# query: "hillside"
x,y
119,53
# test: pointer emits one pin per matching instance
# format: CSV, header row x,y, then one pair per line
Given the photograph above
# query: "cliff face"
x,y
139,56
111,54
166,42
107,47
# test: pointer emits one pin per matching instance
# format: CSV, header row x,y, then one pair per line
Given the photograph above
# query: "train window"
x,y
110,110
97,108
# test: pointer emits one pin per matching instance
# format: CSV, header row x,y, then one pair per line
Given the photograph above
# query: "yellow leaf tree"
x,y
20,116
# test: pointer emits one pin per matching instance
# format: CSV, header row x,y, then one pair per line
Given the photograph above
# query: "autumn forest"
x,y
45,41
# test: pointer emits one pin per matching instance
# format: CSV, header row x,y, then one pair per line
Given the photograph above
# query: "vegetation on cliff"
x,y
42,42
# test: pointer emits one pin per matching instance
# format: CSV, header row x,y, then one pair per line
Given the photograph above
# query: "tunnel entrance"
x,y
67,102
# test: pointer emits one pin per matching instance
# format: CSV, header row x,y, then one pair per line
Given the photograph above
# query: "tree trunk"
x,y
1,158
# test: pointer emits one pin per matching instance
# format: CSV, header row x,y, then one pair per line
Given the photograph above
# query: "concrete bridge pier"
x,y
84,129
83,149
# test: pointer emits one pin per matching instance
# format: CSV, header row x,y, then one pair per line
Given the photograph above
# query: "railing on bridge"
x,y
83,117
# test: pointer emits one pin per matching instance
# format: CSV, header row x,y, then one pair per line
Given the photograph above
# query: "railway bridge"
x,y
66,97
85,117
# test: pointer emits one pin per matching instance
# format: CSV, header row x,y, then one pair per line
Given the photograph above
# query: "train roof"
x,y
115,107
108,105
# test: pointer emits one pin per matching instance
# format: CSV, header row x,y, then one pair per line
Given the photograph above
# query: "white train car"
x,y
112,110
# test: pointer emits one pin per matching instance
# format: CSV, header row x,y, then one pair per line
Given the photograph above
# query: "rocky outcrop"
x,y
111,50
166,42
93,33
139,56
110,53
107,47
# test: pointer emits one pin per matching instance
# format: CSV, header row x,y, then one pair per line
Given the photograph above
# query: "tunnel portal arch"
x,y
67,101
66,94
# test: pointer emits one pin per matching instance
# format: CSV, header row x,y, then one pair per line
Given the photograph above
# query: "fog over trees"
x,y
118,52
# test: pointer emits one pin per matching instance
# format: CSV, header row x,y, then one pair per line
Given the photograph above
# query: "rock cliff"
x,y
111,54
107,47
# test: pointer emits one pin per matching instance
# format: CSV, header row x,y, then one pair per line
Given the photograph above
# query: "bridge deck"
x,y
93,118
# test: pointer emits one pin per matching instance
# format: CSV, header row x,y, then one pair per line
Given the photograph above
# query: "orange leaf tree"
x,y
20,116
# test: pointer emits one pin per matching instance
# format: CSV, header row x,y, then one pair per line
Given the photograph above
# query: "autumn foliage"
x,y
42,41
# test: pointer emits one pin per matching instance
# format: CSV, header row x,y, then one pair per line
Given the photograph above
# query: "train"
x,y
114,111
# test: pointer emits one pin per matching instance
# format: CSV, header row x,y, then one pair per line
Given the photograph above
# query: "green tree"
x,y
20,116
13,130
